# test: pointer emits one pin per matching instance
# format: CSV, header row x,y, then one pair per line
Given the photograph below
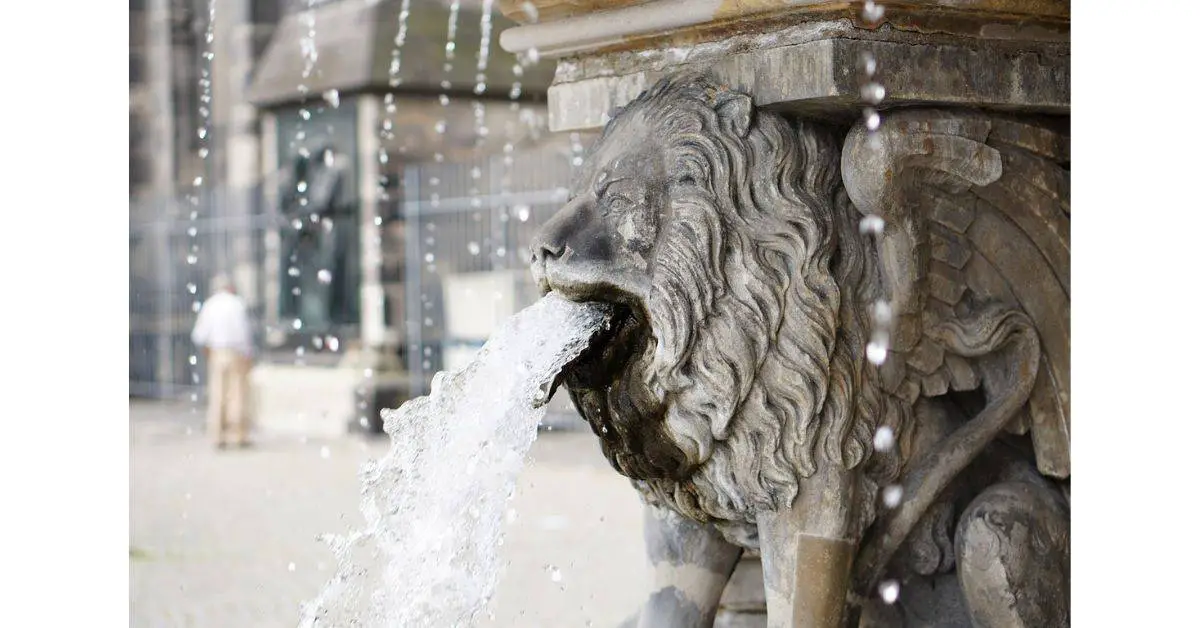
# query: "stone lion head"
x,y
734,367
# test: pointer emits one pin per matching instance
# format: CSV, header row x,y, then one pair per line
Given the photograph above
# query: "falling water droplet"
x,y
302,186
429,258
296,324
202,132
324,276
293,271
533,55
317,342
871,223
473,248
530,11
877,352
440,127
333,98
873,93
332,343
444,99
889,591
304,114
881,312
192,231
476,172
867,63
291,567
198,181
328,158
872,12
885,439
325,452
191,259
871,119
892,495
522,212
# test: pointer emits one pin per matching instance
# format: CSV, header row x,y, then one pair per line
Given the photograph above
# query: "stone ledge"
x,y
590,27
818,77
553,10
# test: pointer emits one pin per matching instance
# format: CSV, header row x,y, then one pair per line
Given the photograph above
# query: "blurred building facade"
x,y
370,200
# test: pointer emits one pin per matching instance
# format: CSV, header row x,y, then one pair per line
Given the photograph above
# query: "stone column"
x,y
373,331
270,197
159,144
159,149
382,379
236,166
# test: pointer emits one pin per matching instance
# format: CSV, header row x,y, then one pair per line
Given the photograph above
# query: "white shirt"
x,y
223,323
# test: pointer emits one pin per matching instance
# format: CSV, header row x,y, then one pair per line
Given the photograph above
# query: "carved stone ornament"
x,y
734,388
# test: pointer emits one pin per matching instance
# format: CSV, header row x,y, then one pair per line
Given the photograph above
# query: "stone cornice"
x,y
575,27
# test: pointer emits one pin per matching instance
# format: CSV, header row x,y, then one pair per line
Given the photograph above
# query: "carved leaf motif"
x,y
977,210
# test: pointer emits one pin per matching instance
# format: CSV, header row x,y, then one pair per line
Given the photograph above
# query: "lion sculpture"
x,y
734,386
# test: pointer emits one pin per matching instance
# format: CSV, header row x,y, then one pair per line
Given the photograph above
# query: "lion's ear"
x,y
734,110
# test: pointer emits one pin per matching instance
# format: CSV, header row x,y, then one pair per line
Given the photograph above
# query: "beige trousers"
x,y
228,387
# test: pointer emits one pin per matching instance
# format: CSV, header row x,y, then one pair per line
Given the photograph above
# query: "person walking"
x,y
223,332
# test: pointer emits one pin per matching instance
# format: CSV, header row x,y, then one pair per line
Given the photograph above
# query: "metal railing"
x,y
445,219
172,258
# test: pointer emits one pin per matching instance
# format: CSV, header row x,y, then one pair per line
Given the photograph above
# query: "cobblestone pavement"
x,y
227,539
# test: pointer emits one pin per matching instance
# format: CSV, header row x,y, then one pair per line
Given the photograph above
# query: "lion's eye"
x,y
619,204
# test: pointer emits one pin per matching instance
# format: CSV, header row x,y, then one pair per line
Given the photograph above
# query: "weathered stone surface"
x,y
550,10
584,29
744,593
818,78
744,419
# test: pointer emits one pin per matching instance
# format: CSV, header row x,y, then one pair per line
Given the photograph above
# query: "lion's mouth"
x,y
608,353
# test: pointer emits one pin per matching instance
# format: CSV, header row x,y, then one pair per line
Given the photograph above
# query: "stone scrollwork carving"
x,y
734,389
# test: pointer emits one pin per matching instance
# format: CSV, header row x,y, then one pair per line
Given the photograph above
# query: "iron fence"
x,y
444,220
172,259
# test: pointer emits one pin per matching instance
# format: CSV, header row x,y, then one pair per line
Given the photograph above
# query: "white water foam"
x,y
435,504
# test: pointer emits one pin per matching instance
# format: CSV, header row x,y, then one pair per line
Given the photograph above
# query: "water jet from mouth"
x,y
435,504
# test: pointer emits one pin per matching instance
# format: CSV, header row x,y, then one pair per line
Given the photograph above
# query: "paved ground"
x,y
227,539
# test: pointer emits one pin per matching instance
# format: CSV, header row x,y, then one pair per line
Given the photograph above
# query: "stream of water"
x,y
435,505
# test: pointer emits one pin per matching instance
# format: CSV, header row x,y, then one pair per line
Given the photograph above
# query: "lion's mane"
x,y
757,308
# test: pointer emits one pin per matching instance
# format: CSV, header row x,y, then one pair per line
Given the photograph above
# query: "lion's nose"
x,y
542,251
